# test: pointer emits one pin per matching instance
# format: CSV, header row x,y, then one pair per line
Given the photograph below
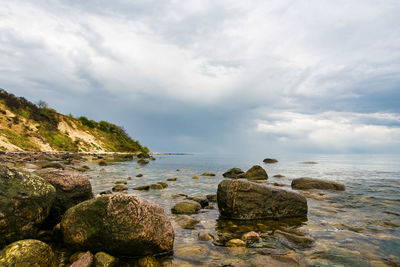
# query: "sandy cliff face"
x,y
27,127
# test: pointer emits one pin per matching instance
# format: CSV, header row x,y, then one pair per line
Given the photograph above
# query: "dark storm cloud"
x,y
223,76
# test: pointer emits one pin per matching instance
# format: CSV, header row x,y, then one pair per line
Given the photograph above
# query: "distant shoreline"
x,y
162,153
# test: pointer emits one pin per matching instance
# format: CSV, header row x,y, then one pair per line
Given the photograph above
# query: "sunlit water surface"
x,y
357,227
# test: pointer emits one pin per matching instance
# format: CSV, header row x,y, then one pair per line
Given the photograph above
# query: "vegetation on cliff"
x,y
36,127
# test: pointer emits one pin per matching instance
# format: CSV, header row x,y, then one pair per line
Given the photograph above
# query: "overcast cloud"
x,y
219,76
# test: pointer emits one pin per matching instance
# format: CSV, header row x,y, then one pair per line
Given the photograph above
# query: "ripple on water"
x,y
357,227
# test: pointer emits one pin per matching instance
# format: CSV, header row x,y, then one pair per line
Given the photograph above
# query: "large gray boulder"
x,y
25,201
119,225
71,189
305,183
245,200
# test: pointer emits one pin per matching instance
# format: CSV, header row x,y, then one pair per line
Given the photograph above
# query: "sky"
x,y
305,76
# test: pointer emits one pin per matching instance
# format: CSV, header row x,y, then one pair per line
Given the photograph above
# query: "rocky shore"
x,y
50,215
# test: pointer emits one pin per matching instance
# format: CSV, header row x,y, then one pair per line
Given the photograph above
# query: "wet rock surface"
x,y
242,199
312,183
186,207
71,189
255,173
25,202
28,252
119,225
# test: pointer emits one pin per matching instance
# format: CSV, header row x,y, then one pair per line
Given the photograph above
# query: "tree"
x,y
42,104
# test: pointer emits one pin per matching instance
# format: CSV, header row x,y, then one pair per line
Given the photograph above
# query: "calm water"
x,y
357,227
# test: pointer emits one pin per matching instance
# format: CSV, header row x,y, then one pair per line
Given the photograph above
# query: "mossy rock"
x,y
102,259
27,253
186,207
119,225
147,262
232,173
25,202
255,173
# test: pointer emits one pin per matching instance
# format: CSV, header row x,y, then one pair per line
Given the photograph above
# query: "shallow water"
x,y
357,227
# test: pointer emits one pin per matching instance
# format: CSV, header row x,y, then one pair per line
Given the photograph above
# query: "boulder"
x,y
156,186
28,252
245,200
102,259
25,202
208,174
102,163
119,225
142,162
270,161
312,183
55,165
172,179
85,260
212,197
142,188
233,173
186,206
255,173
71,189
119,188
202,200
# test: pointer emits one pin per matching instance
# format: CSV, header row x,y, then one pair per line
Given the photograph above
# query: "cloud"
x,y
335,131
210,68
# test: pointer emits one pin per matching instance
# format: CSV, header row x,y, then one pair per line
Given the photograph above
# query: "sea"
x,y
356,227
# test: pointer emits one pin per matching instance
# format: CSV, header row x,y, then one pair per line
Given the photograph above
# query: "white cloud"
x,y
334,131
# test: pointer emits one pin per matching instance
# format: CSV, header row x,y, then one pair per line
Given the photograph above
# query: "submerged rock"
x,y
269,160
293,241
242,199
172,179
25,202
208,174
28,252
233,173
235,243
147,262
71,189
251,237
119,225
312,183
186,206
186,222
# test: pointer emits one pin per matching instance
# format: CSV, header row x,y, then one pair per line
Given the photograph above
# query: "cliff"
x,y
25,126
